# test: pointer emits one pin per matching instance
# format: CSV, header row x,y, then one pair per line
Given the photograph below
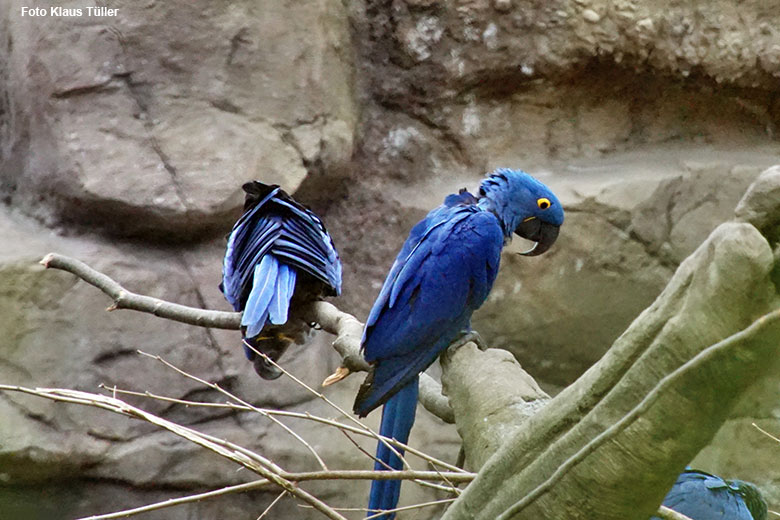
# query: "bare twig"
x,y
297,415
330,403
415,506
124,299
272,473
237,399
182,500
223,447
682,371
757,427
242,456
347,329
385,511
272,504
670,514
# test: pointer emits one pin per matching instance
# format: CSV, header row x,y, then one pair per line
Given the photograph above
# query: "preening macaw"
x,y
443,273
701,496
279,256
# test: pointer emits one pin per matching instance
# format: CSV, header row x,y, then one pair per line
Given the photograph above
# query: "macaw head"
x,y
524,206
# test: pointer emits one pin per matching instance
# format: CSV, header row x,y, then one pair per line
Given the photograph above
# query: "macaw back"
x,y
279,257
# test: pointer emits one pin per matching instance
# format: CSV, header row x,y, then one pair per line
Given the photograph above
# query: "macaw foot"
x,y
469,336
335,377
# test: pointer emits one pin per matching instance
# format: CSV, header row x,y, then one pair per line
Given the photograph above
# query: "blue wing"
x,y
274,223
443,273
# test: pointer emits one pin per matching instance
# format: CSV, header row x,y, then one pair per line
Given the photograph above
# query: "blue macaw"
x,y
279,256
701,496
443,273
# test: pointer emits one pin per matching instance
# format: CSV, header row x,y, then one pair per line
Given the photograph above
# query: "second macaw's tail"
x,y
397,420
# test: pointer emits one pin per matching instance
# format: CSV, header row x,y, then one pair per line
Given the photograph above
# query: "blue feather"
x,y
258,304
397,419
280,303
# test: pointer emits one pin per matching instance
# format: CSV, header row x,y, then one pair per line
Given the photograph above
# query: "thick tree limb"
x,y
491,396
716,293
347,329
751,344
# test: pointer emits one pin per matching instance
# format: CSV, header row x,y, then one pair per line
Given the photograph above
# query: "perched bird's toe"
x,y
469,336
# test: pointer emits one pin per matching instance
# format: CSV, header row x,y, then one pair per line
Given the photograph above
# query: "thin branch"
x,y
297,415
447,489
242,456
415,506
359,474
664,513
182,500
123,408
330,403
272,504
347,329
628,419
757,427
124,299
229,395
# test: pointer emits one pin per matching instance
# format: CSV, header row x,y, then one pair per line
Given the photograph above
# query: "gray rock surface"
x,y
148,123
124,141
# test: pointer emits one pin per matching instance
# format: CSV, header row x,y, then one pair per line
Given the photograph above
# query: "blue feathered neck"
x,y
514,196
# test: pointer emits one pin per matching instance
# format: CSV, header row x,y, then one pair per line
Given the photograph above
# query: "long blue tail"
x,y
397,420
269,301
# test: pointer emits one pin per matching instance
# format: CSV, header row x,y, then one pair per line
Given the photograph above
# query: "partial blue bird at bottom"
x,y
442,274
701,496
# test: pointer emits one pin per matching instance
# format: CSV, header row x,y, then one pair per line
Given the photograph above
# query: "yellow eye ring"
x,y
543,203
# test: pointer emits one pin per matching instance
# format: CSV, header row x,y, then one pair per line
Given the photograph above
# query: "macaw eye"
x,y
543,203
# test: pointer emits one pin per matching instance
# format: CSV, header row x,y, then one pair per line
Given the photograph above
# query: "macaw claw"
x,y
335,377
470,336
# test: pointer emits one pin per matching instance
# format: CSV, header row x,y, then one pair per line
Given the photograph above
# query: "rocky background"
x,y
124,142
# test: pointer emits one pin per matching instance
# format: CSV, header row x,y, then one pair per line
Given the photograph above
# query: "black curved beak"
x,y
543,233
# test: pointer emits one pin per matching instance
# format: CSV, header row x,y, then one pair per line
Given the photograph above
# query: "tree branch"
x,y
242,456
272,473
717,292
347,329
664,513
759,338
181,500
124,299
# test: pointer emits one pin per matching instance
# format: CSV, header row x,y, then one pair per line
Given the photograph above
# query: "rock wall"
x,y
124,142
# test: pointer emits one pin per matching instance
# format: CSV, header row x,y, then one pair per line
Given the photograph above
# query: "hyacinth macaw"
x,y
443,273
701,496
279,256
